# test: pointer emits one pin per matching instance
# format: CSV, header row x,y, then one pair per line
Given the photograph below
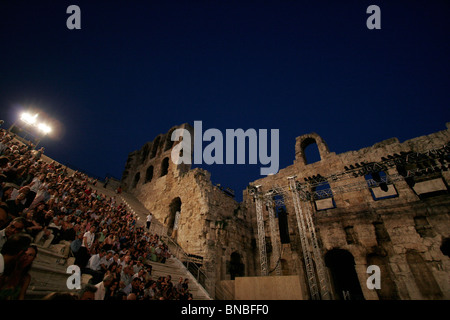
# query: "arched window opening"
x,y
145,152
155,147
137,177
169,142
164,167
149,174
310,151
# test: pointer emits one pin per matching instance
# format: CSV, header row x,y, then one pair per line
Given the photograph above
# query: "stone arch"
x,y
343,274
155,147
306,141
423,276
136,179
169,142
149,174
145,152
311,152
164,166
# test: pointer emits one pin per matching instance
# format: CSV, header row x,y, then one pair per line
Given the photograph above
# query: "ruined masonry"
x,y
385,205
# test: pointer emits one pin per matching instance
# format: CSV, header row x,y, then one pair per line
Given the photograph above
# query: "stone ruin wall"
x,y
212,225
403,234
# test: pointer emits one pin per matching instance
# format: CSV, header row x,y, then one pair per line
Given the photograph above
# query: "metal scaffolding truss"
x,y
318,284
408,165
261,233
273,236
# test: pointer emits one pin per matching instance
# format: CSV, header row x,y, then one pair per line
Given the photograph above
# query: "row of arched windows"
x,y
157,144
150,170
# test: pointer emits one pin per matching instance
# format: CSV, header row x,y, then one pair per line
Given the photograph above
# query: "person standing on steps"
x,y
149,220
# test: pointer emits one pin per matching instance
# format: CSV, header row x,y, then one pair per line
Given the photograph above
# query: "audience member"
x,y
3,215
102,287
11,251
93,267
14,227
14,286
88,292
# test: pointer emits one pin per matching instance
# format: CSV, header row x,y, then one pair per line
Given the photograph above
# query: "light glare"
x,y
28,118
32,120
44,128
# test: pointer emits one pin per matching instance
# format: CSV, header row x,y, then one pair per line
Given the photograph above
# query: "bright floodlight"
x,y
44,128
28,118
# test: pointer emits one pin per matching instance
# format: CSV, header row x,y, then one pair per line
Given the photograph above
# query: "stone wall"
x,y
400,228
400,224
211,223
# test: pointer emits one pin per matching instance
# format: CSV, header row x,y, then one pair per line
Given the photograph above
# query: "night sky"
x,y
137,68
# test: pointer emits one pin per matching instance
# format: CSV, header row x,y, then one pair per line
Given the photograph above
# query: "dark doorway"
x,y
283,225
282,215
236,266
445,247
174,207
343,274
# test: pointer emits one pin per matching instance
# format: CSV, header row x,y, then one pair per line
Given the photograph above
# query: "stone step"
x,y
33,294
172,269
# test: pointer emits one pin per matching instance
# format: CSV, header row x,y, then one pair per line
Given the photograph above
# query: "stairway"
x,y
48,273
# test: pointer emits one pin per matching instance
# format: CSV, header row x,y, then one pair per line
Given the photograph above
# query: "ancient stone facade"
x,y
211,224
385,205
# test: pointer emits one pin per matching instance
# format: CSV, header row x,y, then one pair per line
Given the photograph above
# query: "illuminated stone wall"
x,y
404,226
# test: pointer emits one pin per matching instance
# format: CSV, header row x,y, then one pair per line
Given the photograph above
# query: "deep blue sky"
x,y
137,68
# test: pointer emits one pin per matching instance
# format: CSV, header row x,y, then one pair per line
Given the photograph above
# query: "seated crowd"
x,y
41,200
